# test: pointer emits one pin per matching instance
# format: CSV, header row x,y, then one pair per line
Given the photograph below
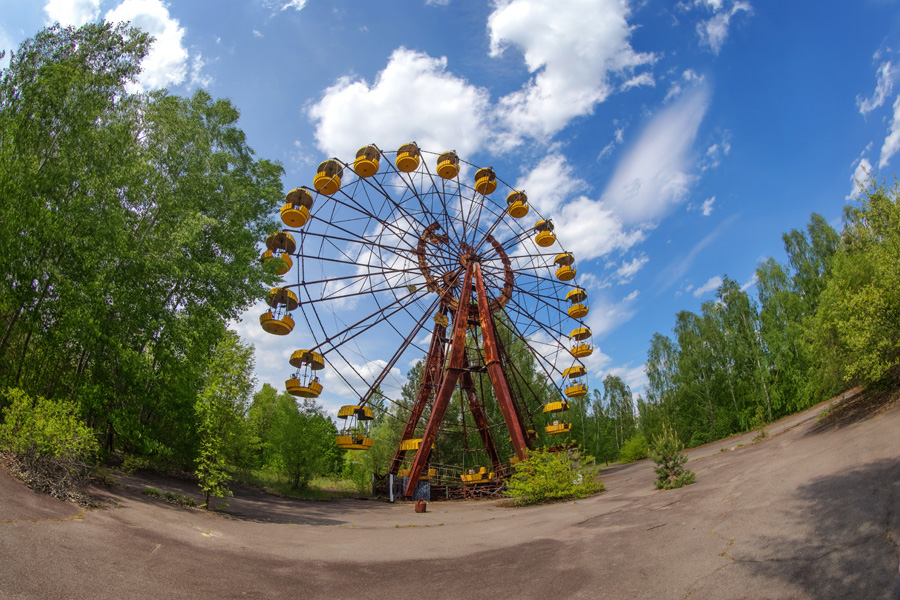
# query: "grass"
x,y
320,488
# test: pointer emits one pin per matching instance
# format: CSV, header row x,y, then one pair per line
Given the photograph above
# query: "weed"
x,y
152,492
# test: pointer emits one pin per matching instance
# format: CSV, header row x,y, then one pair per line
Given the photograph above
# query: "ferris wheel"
x,y
408,254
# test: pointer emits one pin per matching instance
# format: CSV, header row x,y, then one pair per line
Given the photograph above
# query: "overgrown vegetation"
x,y
545,475
45,444
667,453
634,448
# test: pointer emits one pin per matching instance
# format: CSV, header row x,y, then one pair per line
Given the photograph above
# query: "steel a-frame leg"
x,y
431,376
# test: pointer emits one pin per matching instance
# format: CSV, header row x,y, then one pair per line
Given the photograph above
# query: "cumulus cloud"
x,y
656,173
634,377
708,206
295,4
750,282
575,51
607,314
587,227
413,98
72,12
711,285
714,30
883,86
167,62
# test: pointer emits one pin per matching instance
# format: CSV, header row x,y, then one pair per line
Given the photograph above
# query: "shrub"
x,y
545,476
634,448
667,454
46,444
151,491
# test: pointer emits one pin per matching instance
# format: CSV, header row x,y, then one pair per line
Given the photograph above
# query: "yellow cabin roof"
x,y
573,372
577,295
363,413
279,295
581,333
301,196
300,358
564,259
281,240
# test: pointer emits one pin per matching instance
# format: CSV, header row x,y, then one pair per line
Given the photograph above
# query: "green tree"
x,y
220,410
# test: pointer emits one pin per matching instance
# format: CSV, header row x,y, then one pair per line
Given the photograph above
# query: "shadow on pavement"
x,y
855,406
840,539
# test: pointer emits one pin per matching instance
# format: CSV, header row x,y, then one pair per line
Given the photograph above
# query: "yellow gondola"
x,y
281,240
366,162
580,333
408,157
448,165
280,296
517,204
576,296
566,271
303,388
485,181
558,428
275,324
545,236
284,265
354,434
328,178
298,203
412,444
480,476
575,372
556,406
581,350
576,391
303,358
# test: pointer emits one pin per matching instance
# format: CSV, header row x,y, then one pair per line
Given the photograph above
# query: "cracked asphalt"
x,y
811,512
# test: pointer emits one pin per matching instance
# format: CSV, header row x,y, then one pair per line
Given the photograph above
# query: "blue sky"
x,y
672,143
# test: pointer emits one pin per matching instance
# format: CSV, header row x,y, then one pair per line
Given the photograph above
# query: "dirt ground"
x,y
813,511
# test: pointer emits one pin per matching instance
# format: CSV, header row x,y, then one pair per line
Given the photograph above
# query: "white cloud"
x,y
712,284
167,61
573,49
859,177
295,4
6,44
687,76
588,228
713,31
437,2
750,282
642,79
883,86
258,34
72,12
708,206
198,77
634,377
892,141
607,314
413,98
656,172
629,269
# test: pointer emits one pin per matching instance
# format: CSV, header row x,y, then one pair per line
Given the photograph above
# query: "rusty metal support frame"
x,y
448,384
431,377
495,370
456,369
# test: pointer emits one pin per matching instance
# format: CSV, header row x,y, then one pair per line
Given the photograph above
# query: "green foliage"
x,y
356,471
152,492
44,428
545,476
133,220
634,448
670,460
220,409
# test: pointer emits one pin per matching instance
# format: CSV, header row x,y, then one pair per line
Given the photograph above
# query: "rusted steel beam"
x,y
481,421
454,369
431,376
495,369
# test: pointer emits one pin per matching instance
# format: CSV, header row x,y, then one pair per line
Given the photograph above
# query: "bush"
x,y
545,476
667,454
355,470
46,444
634,448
